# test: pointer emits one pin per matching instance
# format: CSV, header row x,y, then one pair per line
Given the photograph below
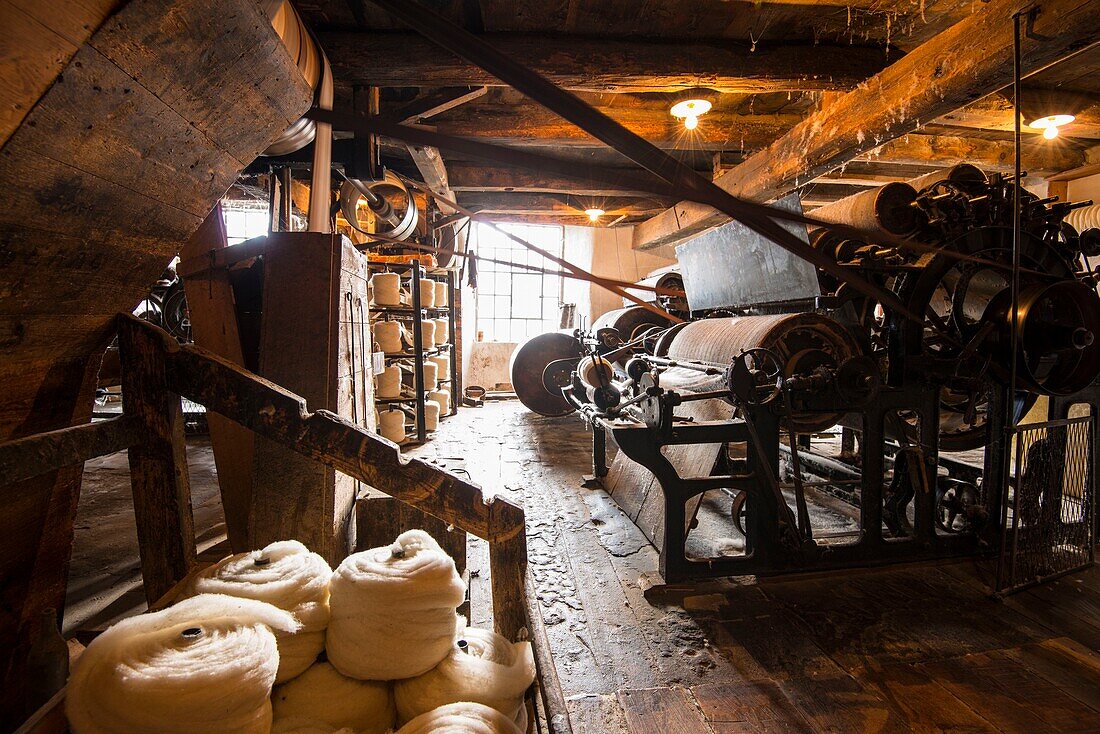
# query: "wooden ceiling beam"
x,y
554,219
554,204
476,177
434,102
533,125
970,60
433,171
1039,158
606,64
995,113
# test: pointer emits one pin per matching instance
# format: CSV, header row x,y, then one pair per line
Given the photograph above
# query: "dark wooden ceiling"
x,y
763,65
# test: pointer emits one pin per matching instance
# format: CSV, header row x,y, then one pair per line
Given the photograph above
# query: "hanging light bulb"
x,y
1050,124
690,110
594,214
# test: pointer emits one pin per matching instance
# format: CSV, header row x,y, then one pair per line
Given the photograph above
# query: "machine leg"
x,y
599,458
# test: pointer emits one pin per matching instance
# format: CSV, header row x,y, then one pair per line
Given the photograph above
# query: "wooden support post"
x,y
365,163
508,573
158,464
36,529
214,327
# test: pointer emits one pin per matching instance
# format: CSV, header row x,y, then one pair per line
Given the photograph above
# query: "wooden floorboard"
x,y
1012,697
1066,663
748,707
927,706
919,648
662,711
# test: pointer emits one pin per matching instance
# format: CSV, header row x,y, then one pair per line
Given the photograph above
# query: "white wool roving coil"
x,y
461,718
287,575
206,664
321,694
299,725
393,609
483,667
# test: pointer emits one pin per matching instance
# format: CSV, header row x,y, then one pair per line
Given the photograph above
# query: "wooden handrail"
x,y
31,456
278,414
282,416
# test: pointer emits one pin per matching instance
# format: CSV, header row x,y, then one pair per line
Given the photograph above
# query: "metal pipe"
x,y
320,190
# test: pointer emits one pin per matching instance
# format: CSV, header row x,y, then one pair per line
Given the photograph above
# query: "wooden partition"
x,y
157,371
166,371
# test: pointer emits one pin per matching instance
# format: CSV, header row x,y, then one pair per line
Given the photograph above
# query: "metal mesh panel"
x,y
1049,512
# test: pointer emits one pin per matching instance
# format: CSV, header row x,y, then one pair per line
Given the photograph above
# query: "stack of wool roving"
x,y
393,609
289,576
483,667
206,664
461,718
297,725
323,696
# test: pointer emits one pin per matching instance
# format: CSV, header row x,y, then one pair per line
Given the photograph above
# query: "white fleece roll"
x,y
393,609
322,694
491,670
299,725
461,718
206,664
287,575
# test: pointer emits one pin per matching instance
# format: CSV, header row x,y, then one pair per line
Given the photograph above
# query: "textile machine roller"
x,y
742,424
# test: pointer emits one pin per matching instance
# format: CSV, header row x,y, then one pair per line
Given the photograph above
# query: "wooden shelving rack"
x,y
417,355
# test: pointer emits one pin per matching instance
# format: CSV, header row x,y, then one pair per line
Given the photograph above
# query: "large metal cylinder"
x,y
802,342
529,362
314,66
888,209
966,176
630,321
1086,217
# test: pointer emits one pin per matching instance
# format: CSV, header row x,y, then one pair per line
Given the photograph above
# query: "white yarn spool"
x,y
443,397
431,375
204,665
427,333
387,289
461,718
298,725
441,296
589,370
393,609
388,382
391,425
427,293
442,331
483,667
387,335
287,575
431,415
322,695
443,362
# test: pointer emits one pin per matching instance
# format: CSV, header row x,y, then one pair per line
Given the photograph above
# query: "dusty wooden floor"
x,y
909,649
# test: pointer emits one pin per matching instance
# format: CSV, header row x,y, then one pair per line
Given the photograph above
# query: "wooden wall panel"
x,y
38,41
116,144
